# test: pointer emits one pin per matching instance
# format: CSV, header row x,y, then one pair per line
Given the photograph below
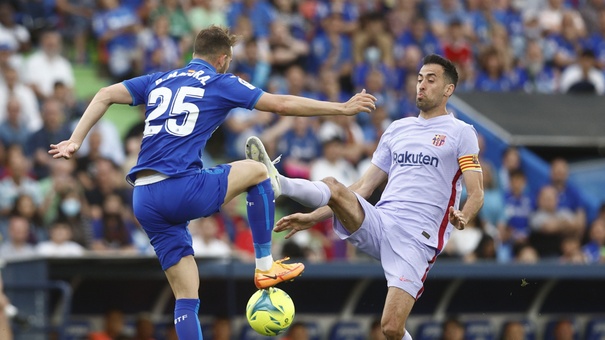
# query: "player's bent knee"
x,y
337,189
392,328
255,170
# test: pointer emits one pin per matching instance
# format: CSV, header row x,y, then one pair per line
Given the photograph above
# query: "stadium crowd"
x,y
321,49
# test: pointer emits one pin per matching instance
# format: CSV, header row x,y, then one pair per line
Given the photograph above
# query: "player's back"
x,y
183,108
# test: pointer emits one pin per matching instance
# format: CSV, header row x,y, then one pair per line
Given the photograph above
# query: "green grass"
x,y
88,83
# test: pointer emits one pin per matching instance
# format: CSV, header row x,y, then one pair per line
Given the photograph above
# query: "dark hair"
x,y
449,69
214,41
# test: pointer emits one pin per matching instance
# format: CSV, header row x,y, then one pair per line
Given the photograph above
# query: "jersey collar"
x,y
203,63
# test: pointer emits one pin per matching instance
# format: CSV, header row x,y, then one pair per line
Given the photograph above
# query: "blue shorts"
x,y
165,208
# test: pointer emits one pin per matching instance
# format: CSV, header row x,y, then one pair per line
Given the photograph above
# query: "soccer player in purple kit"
x,y
423,160
171,186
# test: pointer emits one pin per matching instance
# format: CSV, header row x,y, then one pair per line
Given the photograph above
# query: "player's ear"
x,y
449,90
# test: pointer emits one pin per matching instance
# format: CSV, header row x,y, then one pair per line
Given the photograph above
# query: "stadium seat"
x,y
595,329
347,330
77,329
478,330
314,330
247,333
429,330
549,331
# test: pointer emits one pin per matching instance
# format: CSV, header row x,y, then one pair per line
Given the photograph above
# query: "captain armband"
x,y
469,162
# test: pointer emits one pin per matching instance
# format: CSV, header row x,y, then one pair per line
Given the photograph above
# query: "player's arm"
x,y
105,97
474,188
288,105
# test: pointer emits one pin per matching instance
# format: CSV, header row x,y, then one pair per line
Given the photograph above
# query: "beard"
x,y
425,104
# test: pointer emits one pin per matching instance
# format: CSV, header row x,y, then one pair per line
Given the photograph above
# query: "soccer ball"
x,y
270,311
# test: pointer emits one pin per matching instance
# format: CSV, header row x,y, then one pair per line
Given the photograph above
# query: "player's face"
x,y
431,88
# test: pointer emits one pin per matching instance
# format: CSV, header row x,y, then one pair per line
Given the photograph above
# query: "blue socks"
x,y
186,321
261,216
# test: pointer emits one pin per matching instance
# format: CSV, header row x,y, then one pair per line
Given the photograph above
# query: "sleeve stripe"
x,y
469,162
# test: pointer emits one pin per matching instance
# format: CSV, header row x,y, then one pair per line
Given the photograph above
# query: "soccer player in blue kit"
x,y
171,186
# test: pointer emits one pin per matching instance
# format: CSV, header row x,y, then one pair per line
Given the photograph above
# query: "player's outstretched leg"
x,y
312,194
261,216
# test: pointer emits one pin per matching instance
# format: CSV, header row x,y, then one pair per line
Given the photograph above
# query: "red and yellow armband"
x,y
469,162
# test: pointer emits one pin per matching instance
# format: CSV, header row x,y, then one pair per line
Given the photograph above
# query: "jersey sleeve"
x,y
239,92
137,87
468,150
382,156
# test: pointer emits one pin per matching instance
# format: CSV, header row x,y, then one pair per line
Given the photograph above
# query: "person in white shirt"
x,y
205,240
16,245
47,66
424,160
60,243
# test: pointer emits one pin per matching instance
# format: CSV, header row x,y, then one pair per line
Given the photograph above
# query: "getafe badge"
x,y
439,140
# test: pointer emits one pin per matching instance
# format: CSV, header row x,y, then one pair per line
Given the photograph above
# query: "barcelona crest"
x,y
439,140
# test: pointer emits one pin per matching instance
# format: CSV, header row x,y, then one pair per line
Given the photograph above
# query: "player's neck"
x,y
439,111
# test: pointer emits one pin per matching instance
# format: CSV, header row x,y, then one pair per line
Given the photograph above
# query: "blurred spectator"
x,y
513,330
444,12
235,224
178,28
112,232
346,129
299,147
105,179
13,130
537,75
571,251
16,245
551,17
52,130
48,58
25,206
517,210
285,49
527,254
297,331
456,45
15,89
564,329
72,106
462,244
333,163
113,327
492,75
206,241
549,223
254,67
144,328
115,27
562,48
260,12
204,13
288,12
15,34
372,48
332,49
453,329
511,161
76,22
407,102
583,77
419,34
160,51
376,82
73,211
568,196
594,250
240,124
491,212
60,243
407,64
589,9
221,328
18,181
596,41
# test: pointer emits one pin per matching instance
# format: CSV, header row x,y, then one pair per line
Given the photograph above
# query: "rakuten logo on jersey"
x,y
414,159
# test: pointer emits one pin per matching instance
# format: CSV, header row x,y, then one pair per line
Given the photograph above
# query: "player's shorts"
x,y
165,208
406,261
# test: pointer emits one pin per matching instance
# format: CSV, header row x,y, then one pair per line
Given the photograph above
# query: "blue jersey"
x,y
184,108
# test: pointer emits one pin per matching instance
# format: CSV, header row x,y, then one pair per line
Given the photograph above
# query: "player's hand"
x,y
360,102
457,218
294,223
65,149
